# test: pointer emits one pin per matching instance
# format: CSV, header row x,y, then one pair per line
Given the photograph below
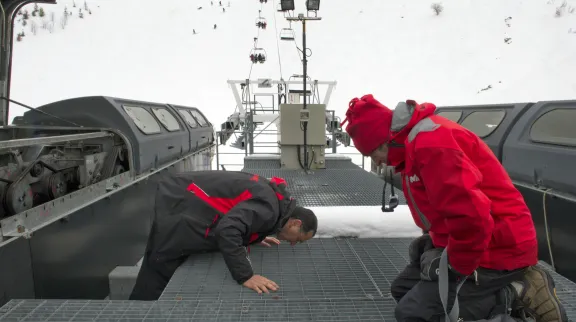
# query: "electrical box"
x,y
293,98
292,120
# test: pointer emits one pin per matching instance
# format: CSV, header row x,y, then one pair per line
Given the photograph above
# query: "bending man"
x,y
458,191
218,211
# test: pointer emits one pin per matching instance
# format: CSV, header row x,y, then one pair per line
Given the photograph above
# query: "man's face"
x,y
380,155
292,232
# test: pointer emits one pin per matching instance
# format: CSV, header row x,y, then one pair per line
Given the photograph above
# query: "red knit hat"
x,y
368,123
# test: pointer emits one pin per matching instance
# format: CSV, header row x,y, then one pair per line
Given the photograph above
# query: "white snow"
x,y
137,49
365,222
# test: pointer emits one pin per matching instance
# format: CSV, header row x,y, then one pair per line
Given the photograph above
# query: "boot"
x,y
536,296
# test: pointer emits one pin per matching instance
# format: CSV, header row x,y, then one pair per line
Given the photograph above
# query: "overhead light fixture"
x,y
313,5
286,5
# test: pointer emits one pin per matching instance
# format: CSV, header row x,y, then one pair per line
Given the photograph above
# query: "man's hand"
x,y
268,241
261,284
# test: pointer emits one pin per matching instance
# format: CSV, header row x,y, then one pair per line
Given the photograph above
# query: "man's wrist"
x,y
244,279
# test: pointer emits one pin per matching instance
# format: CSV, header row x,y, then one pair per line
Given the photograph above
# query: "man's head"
x,y
369,124
380,155
300,226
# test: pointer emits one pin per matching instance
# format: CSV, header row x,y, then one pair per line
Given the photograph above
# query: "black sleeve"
x,y
248,216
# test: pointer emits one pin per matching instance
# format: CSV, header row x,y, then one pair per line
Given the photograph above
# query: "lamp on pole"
x,y
311,5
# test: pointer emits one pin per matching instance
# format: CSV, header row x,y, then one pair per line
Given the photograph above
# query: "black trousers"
x,y
164,253
419,300
154,275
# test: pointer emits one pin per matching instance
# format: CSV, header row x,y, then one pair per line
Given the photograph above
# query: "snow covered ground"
x,y
365,222
473,52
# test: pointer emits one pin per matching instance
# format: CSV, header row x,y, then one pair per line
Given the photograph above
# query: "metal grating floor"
x,y
340,279
335,186
203,310
324,268
323,280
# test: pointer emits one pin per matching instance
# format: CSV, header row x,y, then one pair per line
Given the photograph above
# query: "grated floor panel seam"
x,y
365,269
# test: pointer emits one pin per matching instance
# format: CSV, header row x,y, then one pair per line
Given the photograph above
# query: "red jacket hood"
x,y
406,116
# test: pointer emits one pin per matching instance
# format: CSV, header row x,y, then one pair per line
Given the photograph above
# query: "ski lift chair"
x,y
287,34
260,21
259,51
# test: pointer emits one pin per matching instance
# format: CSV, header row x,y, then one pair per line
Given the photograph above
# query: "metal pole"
x,y
249,111
304,65
6,59
305,76
252,128
333,132
217,151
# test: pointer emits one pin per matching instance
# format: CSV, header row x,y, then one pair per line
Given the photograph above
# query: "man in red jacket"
x,y
459,193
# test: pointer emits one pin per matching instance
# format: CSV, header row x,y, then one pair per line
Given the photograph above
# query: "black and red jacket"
x,y
218,210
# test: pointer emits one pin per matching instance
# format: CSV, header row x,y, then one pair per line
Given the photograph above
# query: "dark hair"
x,y
308,218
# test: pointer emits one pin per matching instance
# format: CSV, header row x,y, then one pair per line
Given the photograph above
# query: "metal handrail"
x,y
245,153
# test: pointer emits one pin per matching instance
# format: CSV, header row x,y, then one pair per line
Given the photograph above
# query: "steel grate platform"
x,y
338,185
341,279
268,310
320,269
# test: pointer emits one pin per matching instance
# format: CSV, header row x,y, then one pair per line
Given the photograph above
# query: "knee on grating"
x,y
396,291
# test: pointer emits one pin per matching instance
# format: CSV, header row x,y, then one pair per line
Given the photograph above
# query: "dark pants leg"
x,y
405,281
153,277
419,300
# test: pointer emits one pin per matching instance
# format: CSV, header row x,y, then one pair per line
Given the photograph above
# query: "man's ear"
x,y
296,222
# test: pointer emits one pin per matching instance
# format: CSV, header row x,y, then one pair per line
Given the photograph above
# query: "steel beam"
x,y
51,139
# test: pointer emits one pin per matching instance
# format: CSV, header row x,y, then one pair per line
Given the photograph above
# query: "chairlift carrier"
x,y
261,51
287,34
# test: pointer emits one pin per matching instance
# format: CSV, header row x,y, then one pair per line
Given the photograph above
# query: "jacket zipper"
x,y
423,218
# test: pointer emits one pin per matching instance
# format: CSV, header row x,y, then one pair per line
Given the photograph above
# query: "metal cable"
x,y
251,63
38,111
277,42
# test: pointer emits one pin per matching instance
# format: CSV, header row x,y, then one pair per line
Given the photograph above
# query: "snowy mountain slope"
x,y
394,49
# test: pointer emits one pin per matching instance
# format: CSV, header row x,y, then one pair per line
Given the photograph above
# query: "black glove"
x,y
430,267
418,246
430,264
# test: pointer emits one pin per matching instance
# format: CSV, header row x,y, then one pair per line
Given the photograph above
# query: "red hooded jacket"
x,y
458,191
